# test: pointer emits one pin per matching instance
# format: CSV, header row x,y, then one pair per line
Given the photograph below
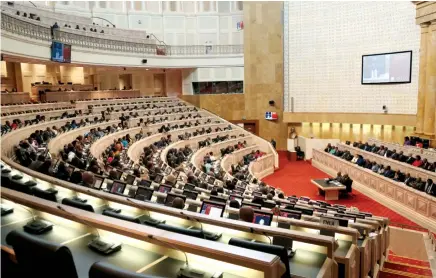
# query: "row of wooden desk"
x,y
76,95
18,97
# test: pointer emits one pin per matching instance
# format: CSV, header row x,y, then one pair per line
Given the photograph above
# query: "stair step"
x,y
384,274
418,270
408,261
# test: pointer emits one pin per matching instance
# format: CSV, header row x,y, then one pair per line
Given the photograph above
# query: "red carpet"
x,y
408,261
408,268
294,179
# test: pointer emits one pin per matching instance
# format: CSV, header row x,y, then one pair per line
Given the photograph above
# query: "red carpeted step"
x,y
420,270
294,179
384,274
408,261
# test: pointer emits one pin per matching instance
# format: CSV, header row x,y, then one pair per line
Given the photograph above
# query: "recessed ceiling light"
x,y
146,69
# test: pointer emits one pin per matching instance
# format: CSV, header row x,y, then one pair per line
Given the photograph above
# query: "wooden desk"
x,y
77,95
292,156
331,190
20,97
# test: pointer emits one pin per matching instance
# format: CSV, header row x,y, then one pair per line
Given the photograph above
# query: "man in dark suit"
x,y
430,188
388,173
395,156
402,157
410,159
418,184
408,180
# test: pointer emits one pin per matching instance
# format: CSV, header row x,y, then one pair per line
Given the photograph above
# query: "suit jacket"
x,y
395,156
402,158
409,181
410,160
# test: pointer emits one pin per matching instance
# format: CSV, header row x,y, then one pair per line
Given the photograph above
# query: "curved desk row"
x,y
145,249
18,97
75,95
395,165
408,150
411,203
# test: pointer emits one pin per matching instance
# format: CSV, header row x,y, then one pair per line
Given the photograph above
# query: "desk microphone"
x,y
149,221
97,244
36,226
185,271
207,235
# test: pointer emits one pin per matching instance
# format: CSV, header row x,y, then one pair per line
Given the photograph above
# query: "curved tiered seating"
x,y
359,256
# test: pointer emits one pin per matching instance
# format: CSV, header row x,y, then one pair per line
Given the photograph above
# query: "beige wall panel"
x,y
263,67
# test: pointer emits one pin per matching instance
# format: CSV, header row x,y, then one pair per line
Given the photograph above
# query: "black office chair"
x,y
39,258
121,216
180,230
278,250
47,195
77,204
106,270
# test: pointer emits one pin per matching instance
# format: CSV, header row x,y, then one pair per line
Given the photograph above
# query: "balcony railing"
x,y
40,32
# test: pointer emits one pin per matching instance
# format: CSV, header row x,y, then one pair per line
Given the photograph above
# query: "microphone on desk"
x,y
185,271
98,244
36,226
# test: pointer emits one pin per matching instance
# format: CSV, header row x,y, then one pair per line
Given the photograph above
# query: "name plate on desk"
x,y
329,221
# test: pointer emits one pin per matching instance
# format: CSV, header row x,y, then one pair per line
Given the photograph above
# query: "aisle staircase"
x,y
398,266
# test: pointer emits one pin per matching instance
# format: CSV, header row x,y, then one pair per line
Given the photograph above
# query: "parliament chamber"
x,y
218,139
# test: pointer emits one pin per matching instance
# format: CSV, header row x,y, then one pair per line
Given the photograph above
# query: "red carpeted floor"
x,y
294,179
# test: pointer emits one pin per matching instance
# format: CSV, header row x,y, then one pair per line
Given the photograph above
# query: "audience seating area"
x,y
384,171
168,180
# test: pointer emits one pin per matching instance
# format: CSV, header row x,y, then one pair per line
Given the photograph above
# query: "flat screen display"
x,y
190,194
262,218
61,52
145,183
98,182
144,194
189,186
394,67
290,213
118,187
164,188
237,198
212,209
170,198
130,179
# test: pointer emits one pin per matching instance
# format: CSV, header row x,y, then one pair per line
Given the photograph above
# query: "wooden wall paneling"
x,y
263,67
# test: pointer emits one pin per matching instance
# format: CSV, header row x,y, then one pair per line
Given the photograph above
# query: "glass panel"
x,y
103,4
218,87
221,87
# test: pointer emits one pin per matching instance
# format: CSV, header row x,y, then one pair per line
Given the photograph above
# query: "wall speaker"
x,y
144,61
271,102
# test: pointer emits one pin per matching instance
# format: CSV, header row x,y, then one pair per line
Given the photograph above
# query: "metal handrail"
x,y
40,31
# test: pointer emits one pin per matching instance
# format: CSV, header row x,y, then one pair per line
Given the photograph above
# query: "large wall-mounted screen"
x,y
61,52
387,68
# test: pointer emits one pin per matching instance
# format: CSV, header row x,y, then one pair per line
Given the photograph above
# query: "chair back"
x,y
40,258
278,250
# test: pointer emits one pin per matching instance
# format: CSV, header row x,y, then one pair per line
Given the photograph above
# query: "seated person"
x,y
234,204
246,214
408,179
418,162
328,148
178,203
430,188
